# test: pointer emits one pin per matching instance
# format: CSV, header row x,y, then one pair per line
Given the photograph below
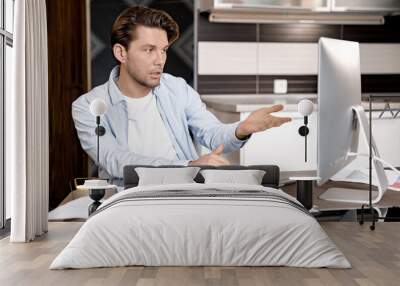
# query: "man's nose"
x,y
159,59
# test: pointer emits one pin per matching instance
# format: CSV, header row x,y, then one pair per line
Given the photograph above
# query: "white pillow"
x,y
248,177
165,176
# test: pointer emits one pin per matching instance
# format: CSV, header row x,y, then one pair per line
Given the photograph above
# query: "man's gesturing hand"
x,y
260,120
214,158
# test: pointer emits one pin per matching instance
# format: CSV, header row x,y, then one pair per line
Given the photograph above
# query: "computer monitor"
x,y
341,118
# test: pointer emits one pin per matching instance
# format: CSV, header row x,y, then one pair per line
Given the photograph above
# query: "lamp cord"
x,y
98,143
305,151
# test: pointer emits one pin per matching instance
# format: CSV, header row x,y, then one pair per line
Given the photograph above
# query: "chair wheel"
x,y
361,222
372,227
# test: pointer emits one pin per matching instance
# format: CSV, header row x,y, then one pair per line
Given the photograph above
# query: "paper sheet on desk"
x,y
362,176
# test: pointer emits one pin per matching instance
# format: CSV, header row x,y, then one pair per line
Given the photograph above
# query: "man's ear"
x,y
120,53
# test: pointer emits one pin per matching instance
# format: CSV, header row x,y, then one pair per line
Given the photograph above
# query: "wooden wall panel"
x,y
225,32
227,84
66,24
378,45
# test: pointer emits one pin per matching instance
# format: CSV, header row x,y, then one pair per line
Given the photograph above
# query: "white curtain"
x,y
27,132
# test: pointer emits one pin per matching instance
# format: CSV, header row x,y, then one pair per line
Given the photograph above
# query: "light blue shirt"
x,y
181,110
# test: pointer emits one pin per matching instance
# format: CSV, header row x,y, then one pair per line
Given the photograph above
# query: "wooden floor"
x,y
374,255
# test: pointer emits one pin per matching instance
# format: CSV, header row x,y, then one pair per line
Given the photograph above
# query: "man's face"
x,y
146,56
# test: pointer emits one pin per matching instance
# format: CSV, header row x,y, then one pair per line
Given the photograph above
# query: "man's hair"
x,y
123,29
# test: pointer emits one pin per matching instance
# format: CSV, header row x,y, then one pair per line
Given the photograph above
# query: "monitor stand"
x,y
356,195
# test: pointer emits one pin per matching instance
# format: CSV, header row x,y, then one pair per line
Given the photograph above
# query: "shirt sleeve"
x,y
112,156
207,129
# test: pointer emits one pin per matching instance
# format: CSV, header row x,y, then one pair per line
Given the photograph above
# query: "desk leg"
x,y
305,193
96,195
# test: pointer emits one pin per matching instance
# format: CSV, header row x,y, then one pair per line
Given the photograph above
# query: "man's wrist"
x,y
241,133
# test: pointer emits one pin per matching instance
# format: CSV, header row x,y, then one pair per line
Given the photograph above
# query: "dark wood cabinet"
x,y
68,79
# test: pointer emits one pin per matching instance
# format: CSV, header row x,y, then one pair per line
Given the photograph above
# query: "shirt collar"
x,y
115,94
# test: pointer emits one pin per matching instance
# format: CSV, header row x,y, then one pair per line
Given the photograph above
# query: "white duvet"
x,y
183,231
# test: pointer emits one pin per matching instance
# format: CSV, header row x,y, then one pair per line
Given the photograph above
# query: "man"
x,y
150,113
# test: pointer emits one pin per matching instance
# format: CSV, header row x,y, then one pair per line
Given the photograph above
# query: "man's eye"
x,y
149,50
165,51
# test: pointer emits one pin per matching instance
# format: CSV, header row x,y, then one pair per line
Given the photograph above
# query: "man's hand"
x,y
214,158
260,120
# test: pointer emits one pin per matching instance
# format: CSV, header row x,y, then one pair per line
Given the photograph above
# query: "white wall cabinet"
x,y
284,147
250,58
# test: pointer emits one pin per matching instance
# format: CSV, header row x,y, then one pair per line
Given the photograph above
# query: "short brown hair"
x,y
124,26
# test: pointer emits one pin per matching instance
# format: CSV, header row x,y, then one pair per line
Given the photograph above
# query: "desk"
x,y
389,200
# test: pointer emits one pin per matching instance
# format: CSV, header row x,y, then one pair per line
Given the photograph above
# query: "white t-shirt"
x,y
147,134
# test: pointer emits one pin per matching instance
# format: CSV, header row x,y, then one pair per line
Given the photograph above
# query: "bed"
x,y
198,224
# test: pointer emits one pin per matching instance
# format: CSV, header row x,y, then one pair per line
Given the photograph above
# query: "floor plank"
x,y
375,257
